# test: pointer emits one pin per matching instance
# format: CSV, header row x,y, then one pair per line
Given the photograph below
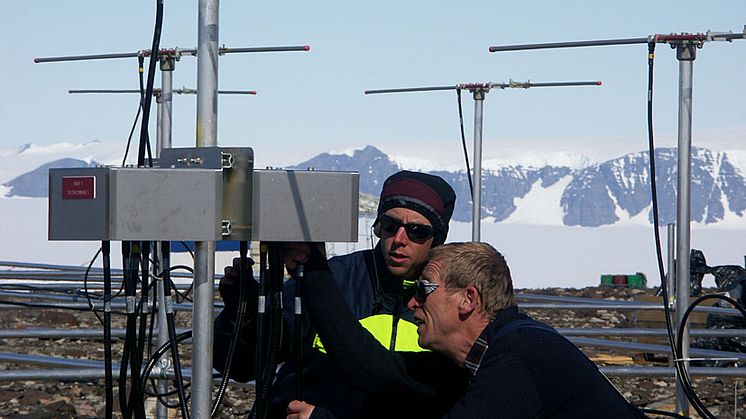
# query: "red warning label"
x,y
78,187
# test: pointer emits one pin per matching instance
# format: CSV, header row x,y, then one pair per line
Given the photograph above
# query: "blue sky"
x,y
313,102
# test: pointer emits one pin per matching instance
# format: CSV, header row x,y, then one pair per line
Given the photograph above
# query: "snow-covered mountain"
x,y
614,191
540,211
607,193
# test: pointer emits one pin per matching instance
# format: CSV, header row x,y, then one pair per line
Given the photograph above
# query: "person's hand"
x,y
299,410
229,286
296,254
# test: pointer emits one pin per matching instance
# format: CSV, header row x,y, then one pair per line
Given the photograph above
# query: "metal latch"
x,y
226,160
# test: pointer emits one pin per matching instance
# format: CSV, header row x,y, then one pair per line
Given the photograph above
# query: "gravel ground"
x,y
724,397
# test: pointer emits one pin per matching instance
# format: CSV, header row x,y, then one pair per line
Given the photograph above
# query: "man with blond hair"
x,y
464,306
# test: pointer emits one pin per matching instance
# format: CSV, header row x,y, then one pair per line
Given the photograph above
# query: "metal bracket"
x,y
226,160
226,228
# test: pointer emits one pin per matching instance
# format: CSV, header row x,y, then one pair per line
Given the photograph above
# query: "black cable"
x,y
683,373
166,255
85,281
243,295
123,402
156,357
140,61
141,312
276,272
463,141
144,140
108,379
261,335
654,198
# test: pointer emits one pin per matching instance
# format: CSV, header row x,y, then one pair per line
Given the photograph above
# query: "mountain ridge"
x,y
604,193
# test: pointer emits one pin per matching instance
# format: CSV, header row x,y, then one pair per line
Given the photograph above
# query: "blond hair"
x,y
478,264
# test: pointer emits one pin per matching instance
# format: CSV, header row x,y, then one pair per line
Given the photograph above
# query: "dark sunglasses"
x,y
416,232
423,288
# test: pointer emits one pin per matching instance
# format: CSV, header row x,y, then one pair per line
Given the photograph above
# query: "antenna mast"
x,y
479,90
686,46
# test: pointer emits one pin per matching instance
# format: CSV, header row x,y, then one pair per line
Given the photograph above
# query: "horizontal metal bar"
x,y
639,332
87,57
264,49
652,348
176,52
88,374
49,266
621,306
72,333
51,361
571,44
562,298
183,91
48,374
410,89
84,306
670,371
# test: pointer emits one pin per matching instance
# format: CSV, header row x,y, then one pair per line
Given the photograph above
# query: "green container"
x,y
637,280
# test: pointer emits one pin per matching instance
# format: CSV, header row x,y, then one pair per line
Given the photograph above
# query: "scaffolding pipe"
x,y
52,333
652,348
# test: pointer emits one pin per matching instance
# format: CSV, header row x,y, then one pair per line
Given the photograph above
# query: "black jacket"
x,y
363,287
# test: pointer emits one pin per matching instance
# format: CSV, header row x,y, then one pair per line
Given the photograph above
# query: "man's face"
x,y
436,314
403,256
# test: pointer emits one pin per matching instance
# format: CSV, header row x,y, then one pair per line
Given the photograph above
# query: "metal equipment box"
x,y
124,203
237,164
305,205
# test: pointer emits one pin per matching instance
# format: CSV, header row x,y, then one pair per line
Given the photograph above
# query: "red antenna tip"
x,y
306,47
598,83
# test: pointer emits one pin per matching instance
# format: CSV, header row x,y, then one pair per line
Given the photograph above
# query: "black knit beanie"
x,y
427,194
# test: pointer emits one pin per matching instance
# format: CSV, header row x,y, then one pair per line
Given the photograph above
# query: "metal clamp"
x,y
226,228
226,160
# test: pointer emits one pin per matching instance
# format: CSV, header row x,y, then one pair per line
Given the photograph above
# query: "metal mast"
x,y
686,45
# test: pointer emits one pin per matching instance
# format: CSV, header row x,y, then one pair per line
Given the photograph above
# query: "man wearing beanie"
x,y
413,214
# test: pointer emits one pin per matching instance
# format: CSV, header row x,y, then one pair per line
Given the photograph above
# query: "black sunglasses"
x,y
416,232
423,288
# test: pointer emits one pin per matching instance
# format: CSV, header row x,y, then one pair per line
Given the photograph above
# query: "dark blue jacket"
x,y
526,372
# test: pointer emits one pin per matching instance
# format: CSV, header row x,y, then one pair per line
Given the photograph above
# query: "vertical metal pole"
x,y
163,140
204,252
476,218
167,93
672,290
685,53
158,123
671,275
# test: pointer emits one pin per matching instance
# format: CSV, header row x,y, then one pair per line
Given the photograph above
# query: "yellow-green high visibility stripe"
x,y
380,327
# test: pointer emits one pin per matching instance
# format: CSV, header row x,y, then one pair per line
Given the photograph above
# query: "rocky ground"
x,y
724,397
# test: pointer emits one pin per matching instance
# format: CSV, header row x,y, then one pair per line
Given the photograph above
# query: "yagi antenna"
x,y
178,52
686,45
479,90
672,39
167,59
